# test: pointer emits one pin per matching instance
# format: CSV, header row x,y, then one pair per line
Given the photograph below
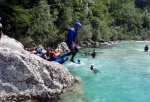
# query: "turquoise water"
x,y
124,77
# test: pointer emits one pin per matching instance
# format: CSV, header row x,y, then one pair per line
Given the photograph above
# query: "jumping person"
x,y
71,40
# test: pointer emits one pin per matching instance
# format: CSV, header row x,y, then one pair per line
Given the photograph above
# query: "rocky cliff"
x,y
25,74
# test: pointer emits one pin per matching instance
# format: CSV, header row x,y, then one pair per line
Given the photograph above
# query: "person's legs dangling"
x,y
73,54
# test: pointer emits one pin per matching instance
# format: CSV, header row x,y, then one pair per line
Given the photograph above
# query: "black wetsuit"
x,y
146,48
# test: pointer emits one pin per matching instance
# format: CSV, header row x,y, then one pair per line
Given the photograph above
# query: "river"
x,y
124,74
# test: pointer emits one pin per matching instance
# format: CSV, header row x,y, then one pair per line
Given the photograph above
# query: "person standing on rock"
x,y
71,40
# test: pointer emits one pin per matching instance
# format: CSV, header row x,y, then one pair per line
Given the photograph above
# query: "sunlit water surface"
x,y
124,77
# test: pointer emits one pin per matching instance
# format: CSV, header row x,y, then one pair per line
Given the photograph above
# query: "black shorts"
x,y
72,50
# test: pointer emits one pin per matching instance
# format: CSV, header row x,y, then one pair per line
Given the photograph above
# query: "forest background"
x,y
47,22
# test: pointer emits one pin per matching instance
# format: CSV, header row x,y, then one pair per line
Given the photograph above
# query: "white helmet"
x,y
92,65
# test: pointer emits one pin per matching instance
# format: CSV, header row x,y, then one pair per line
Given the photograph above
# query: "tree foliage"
x,y
47,21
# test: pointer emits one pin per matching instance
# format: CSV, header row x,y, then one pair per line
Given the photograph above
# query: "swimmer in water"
x,y
94,69
146,48
93,54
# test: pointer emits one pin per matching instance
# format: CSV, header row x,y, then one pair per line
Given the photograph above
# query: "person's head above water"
x,y
92,66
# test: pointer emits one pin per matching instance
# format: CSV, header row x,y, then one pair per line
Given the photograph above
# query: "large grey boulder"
x,y
62,47
28,75
11,41
96,44
90,41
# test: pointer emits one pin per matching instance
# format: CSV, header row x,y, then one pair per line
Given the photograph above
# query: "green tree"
x,y
146,19
42,28
15,18
100,20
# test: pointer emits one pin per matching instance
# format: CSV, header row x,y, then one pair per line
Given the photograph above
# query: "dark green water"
x,y
124,77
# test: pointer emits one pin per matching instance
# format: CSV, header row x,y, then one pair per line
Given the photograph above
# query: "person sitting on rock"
x,y
52,54
39,52
47,55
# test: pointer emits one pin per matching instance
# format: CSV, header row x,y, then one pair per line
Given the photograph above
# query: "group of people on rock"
x,y
49,54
